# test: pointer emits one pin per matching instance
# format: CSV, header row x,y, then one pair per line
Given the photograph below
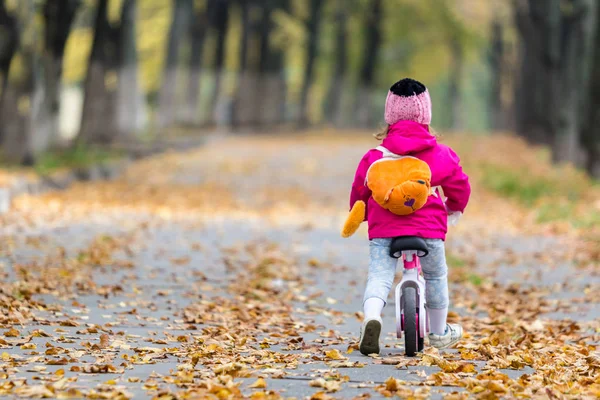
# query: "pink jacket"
x,y
430,222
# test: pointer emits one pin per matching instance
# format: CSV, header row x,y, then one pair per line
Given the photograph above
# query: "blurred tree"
x,y
219,25
372,43
200,18
336,89
9,42
244,96
98,115
263,103
497,66
22,93
590,133
260,95
131,105
114,107
312,27
153,23
58,19
555,65
571,88
167,96
538,24
274,71
456,33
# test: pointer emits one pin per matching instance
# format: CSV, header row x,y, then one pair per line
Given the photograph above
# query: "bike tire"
x,y
411,330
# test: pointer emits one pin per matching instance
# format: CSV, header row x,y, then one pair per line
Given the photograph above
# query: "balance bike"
x,y
411,314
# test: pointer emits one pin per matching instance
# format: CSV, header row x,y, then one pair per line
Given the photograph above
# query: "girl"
x,y
408,115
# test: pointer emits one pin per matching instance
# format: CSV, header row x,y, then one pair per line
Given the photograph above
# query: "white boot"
x,y
369,335
452,335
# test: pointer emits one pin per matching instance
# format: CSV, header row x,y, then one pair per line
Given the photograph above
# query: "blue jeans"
x,y
382,270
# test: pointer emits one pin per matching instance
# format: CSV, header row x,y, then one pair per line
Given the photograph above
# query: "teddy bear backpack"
x,y
400,184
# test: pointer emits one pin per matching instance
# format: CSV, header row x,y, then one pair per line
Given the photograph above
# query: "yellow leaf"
x,y
259,384
329,386
12,333
466,368
334,355
320,396
496,387
71,393
392,384
104,341
258,395
345,364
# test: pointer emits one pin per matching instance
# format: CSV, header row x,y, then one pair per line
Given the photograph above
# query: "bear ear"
x,y
388,194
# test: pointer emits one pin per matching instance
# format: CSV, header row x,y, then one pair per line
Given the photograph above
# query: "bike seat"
x,y
407,243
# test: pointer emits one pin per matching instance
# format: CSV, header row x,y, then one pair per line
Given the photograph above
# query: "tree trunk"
x,y
220,24
455,84
130,104
58,19
263,87
198,30
311,55
363,107
168,88
577,36
98,114
274,110
240,101
281,87
591,132
9,42
538,23
498,115
334,97
22,93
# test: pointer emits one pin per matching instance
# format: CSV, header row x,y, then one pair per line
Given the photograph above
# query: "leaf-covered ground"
x,y
220,273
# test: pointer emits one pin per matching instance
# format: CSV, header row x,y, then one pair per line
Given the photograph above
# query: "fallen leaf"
x,y
259,384
335,355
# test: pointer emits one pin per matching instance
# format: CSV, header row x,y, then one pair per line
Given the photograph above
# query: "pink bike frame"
x,y
411,278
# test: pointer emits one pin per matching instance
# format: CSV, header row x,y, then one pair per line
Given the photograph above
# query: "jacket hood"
x,y
408,137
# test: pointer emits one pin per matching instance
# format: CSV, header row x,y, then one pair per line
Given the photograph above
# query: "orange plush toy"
x,y
400,184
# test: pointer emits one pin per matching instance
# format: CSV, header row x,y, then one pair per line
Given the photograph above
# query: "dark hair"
x,y
407,87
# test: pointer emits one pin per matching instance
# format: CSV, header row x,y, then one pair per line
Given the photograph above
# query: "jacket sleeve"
x,y
456,186
359,190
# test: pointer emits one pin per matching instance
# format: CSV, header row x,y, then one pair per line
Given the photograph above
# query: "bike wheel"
x,y
411,329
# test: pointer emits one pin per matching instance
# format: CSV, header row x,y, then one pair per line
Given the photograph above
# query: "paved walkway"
x,y
220,272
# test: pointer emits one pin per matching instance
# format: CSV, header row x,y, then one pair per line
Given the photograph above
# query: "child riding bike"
x,y
408,115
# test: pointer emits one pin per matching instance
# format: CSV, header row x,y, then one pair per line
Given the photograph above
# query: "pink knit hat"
x,y
408,100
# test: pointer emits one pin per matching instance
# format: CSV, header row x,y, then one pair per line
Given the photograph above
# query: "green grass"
x,y
475,279
455,261
566,212
75,157
587,221
554,212
518,185
461,273
558,195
